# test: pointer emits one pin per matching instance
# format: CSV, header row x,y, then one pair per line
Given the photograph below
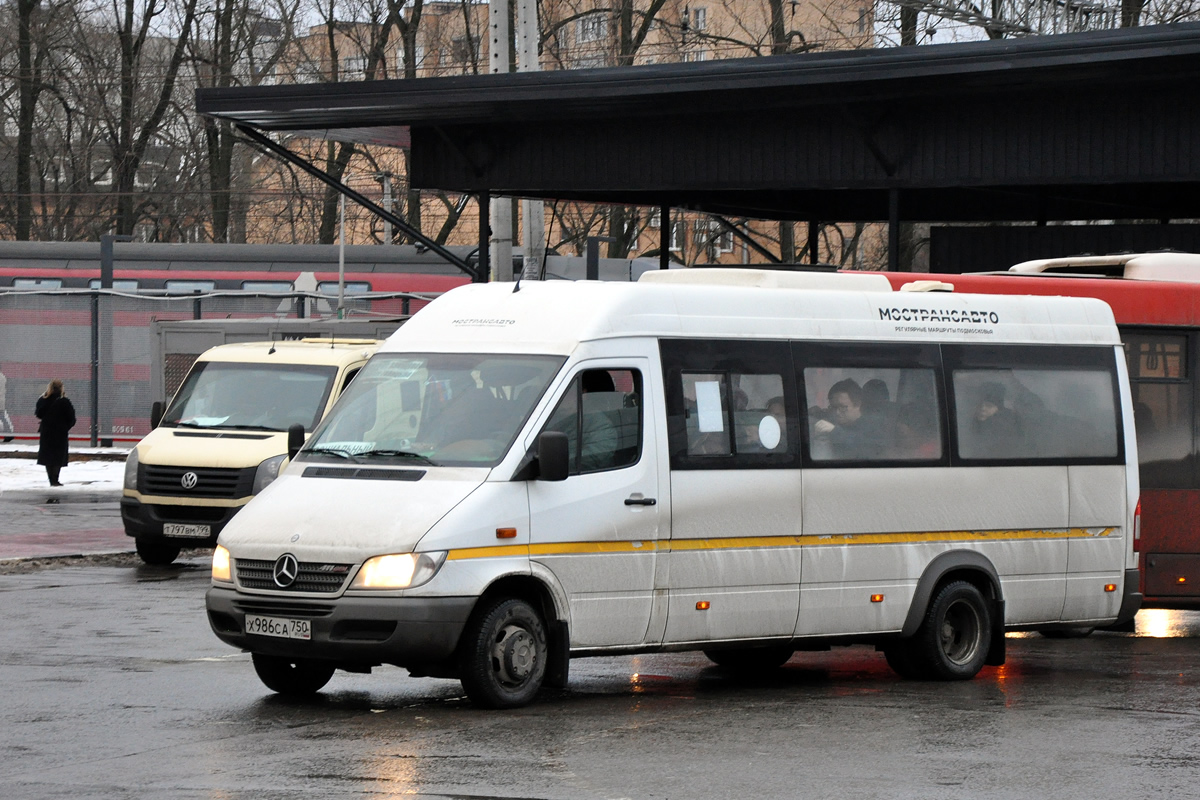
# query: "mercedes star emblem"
x,y
286,570
189,480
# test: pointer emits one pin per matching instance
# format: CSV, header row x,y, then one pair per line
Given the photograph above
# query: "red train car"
x,y
47,314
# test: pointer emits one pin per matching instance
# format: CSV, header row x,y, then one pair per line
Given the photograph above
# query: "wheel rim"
x,y
514,655
960,632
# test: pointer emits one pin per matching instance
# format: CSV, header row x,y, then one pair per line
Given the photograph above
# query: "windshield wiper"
x,y
332,451
182,424
398,454
250,428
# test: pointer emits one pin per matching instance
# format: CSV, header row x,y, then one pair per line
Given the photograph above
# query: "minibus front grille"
x,y
311,576
208,482
277,608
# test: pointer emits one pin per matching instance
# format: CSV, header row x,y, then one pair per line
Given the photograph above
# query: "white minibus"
x,y
747,463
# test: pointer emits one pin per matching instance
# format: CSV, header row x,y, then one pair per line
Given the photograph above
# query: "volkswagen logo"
x,y
189,480
286,570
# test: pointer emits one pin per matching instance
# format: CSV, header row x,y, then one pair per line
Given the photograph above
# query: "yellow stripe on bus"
x,y
754,542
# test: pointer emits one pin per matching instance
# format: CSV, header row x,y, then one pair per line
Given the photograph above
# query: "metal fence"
x,y
100,344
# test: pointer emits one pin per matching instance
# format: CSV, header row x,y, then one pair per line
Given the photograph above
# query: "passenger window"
x,y
601,414
730,404
1035,404
1162,407
754,413
873,414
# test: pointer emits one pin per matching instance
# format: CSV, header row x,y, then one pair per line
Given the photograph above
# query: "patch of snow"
x,y
23,474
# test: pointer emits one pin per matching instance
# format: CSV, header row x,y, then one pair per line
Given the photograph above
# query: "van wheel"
x,y
952,642
1068,633
295,677
156,551
899,658
750,659
503,660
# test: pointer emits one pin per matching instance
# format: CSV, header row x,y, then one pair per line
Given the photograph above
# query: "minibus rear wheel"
x,y
503,660
292,676
952,642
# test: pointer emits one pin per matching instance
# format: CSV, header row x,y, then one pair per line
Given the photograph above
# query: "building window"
x,y
592,28
678,232
699,19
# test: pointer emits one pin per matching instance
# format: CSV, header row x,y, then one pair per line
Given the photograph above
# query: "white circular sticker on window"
x,y
769,433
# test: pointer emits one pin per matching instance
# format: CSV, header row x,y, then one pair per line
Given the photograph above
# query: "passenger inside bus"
x,y
851,432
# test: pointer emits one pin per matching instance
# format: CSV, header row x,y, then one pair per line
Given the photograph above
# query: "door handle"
x,y
640,501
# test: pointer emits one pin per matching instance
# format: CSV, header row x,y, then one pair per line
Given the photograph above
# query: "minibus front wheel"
x,y
156,551
292,676
504,654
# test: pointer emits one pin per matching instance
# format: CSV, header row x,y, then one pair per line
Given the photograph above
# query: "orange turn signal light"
x,y
1110,587
1181,579
876,598
506,533
702,605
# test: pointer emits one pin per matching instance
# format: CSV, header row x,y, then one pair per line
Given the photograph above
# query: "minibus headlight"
x,y
131,470
220,567
267,471
400,571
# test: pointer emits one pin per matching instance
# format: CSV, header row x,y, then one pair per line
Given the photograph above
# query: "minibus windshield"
x,y
441,409
257,397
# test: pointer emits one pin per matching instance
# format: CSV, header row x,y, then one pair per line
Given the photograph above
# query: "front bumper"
x,y
404,631
145,520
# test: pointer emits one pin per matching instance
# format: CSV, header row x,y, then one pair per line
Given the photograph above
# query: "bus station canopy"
x,y
1091,126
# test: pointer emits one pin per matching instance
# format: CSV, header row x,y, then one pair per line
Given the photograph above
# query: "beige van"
x,y
225,435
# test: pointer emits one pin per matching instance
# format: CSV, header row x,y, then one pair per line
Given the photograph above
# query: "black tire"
x,y
157,551
751,659
504,654
295,677
899,658
1068,633
952,642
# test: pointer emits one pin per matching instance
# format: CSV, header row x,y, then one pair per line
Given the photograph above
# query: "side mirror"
x,y
295,439
554,456
156,413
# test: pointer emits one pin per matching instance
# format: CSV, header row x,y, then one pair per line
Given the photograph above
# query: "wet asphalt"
x,y
115,687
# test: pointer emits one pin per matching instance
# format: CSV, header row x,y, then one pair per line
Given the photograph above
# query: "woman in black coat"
x,y
57,417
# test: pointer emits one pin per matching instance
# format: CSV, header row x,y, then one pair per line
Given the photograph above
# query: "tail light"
x,y
1137,527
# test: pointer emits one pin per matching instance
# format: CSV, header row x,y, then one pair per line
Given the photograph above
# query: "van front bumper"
x,y
146,520
404,631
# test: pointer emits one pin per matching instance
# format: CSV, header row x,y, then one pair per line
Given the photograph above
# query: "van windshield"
x,y
442,409
263,397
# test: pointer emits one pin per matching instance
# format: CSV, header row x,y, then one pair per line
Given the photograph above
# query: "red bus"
x,y
1156,300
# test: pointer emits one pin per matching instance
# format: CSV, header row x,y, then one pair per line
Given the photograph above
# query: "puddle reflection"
x,y
1165,623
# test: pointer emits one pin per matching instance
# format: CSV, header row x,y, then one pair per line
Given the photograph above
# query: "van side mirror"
x,y
554,456
156,413
295,439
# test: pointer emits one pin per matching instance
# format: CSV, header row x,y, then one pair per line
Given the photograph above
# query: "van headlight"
x,y
131,470
400,571
267,471
220,565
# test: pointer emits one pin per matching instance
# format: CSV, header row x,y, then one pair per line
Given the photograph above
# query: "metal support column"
x,y
95,366
893,230
664,237
484,266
